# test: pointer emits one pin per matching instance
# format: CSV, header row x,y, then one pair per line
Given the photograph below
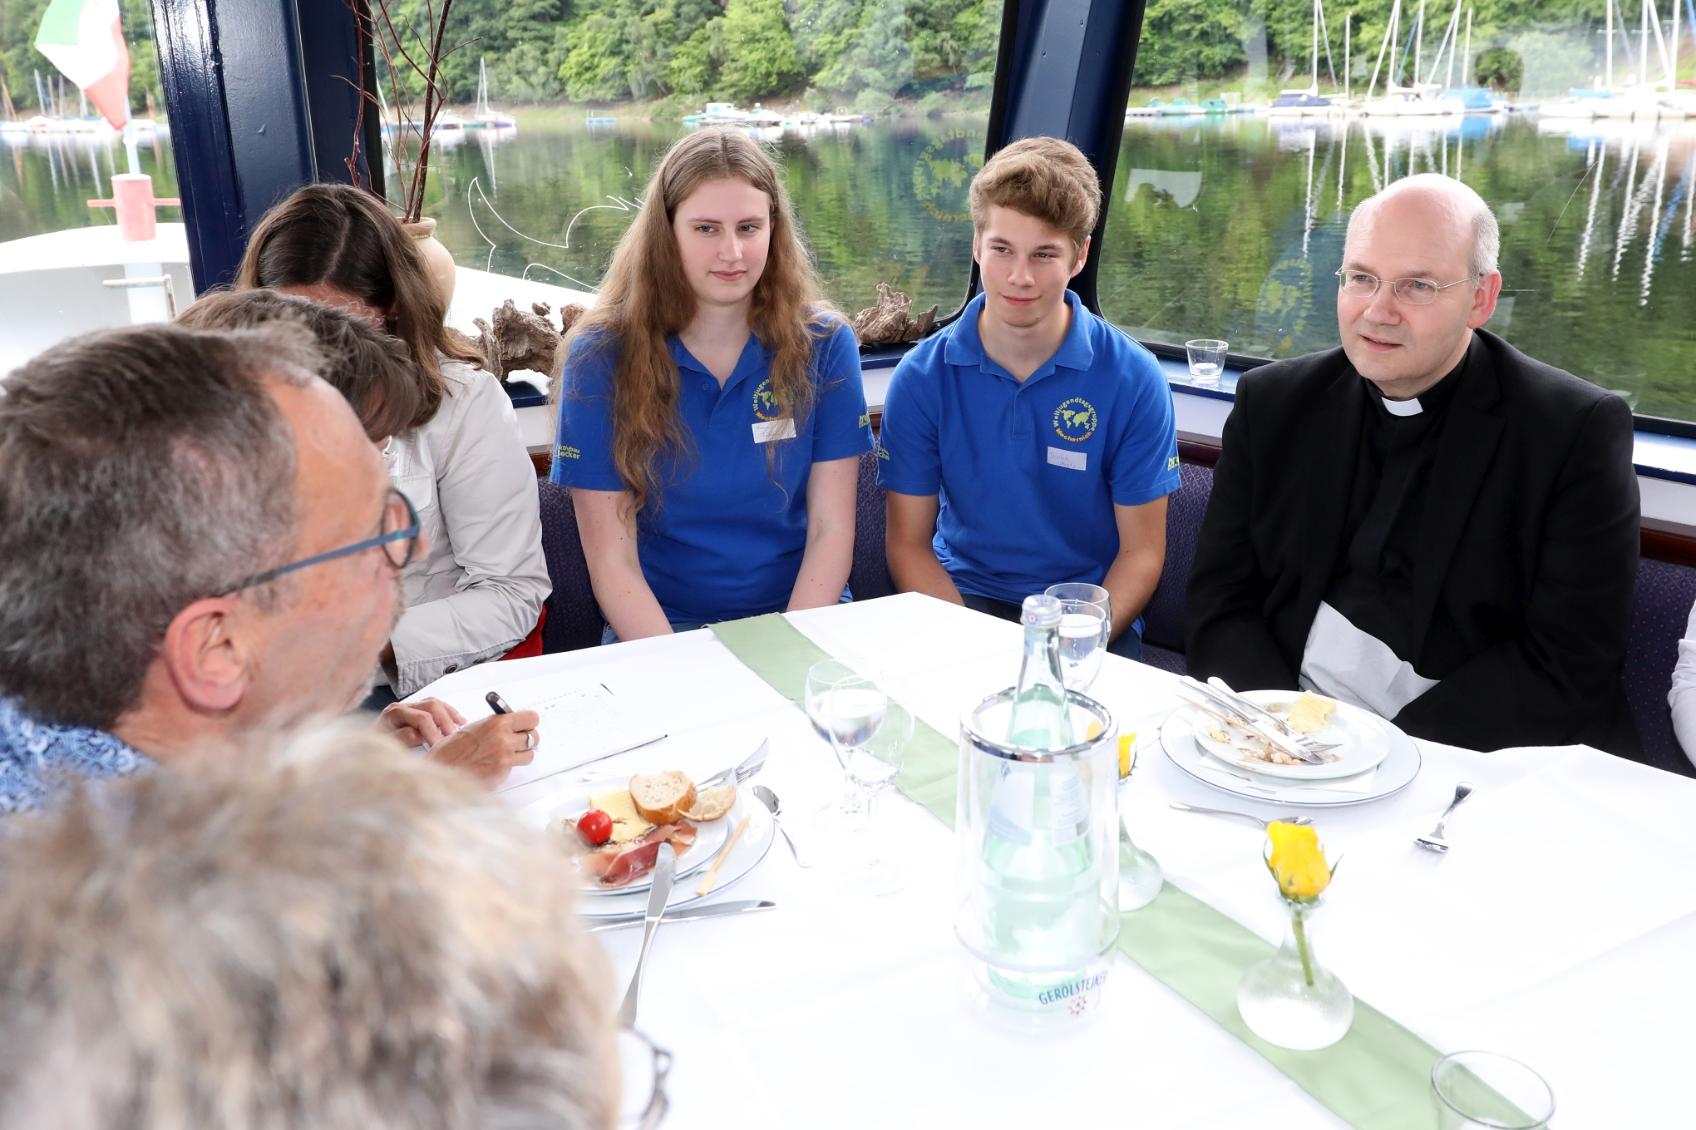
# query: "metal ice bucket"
x,y
1038,836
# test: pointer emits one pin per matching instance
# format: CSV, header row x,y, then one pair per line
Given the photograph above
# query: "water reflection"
x,y
1225,226
1591,214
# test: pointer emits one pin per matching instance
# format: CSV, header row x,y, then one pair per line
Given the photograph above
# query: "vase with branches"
x,y
412,56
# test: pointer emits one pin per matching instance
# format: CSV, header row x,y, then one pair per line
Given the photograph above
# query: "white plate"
x,y
1363,740
559,815
1394,773
744,856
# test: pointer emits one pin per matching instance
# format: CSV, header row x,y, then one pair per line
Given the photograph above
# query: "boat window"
x,y
91,234
1249,138
876,109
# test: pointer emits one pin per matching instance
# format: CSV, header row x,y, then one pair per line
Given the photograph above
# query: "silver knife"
x,y
750,765
665,870
1250,722
688,914
1253,709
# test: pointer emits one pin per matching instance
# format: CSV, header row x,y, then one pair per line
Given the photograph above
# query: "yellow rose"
x,y
1297,861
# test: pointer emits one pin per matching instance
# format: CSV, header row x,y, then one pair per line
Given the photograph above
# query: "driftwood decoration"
x,y
522,339
890,320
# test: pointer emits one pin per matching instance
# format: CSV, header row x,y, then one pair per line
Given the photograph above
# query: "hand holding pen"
x,y
489,748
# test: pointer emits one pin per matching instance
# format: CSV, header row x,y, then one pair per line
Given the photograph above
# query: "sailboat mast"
x,y
1418,40
1466,67
1451,38
1672,64
1643,46
1384,43
1313,82
1348,18
1608,49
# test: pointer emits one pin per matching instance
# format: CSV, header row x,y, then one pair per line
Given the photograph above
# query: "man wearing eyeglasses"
x,y
196,540
1425,522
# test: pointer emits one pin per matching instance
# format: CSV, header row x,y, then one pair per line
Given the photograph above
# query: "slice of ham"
x,y
622,865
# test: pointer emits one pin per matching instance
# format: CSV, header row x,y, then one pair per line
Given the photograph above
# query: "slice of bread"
x,y
662,798
713,803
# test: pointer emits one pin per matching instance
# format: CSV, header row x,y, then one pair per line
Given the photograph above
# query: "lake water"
x,y
1219,227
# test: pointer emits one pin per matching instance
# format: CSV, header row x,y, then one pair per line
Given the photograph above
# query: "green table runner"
x,y
1377,1077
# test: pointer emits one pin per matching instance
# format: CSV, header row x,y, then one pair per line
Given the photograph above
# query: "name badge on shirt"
x,y
1075,460
766,431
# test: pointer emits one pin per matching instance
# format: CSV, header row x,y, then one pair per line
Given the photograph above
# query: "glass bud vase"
x,y
1289,999
1140,877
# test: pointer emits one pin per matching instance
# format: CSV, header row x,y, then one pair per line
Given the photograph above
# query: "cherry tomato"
x,y
595,826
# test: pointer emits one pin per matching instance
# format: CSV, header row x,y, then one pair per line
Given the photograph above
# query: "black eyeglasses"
x,y
398,539
642,1068
1414,292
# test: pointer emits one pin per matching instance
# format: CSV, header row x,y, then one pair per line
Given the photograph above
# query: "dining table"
x,y
1559,929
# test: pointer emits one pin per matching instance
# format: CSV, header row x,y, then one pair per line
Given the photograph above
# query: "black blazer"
x,y
1522,594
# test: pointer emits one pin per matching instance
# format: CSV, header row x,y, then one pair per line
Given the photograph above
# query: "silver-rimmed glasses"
x,y
642,1069
1414,292
397,535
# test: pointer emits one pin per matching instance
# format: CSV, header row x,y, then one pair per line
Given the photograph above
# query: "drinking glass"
x,y
1207,359
873,765
1477,1090
1084,628
823,679
1088,593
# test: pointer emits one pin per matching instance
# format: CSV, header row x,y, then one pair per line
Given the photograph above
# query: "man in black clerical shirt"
x,y
1425,522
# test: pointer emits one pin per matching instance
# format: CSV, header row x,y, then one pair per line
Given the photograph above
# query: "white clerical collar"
x,y
1402,407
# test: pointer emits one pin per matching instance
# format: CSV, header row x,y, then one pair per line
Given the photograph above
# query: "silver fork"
x,y
750,765
1209,701
1307,742
1435,841
1249,816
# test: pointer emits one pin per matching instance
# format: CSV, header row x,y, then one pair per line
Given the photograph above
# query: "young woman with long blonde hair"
x,y
711,415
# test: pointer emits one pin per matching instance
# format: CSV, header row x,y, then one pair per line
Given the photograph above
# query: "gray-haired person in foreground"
x,y
197,540
332,935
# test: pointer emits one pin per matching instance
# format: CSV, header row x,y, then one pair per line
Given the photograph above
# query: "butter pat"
x,y
1310,713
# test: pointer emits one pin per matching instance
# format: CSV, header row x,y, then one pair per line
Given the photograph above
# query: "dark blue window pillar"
x,y
1065,71
258,107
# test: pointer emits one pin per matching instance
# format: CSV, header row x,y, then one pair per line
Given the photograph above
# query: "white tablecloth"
x,y
1560,929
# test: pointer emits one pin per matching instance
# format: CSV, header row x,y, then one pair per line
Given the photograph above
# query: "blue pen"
x,y
497,703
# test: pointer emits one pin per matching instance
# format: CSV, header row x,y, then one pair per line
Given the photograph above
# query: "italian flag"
x,y
82,39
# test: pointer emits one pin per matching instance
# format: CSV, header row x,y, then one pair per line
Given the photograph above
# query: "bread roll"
x,y
662,798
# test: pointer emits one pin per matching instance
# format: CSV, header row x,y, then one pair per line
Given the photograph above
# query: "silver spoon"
x,y
1435,841
769,799
1182,807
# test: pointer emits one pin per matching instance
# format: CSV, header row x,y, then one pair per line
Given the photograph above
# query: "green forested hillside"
x,y
867,52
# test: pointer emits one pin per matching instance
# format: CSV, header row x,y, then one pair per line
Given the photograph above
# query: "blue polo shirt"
x,y
1028,473
726,536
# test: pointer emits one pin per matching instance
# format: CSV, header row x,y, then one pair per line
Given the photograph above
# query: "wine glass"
x,y
1084,628
873,765
862,680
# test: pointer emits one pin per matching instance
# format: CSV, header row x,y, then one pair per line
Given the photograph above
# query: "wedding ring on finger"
x,y
529,739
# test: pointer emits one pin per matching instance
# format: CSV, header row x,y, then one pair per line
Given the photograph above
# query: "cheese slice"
x,y
627,823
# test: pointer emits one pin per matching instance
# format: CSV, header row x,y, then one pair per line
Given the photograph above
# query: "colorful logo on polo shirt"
x,y
765,402
1075,420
